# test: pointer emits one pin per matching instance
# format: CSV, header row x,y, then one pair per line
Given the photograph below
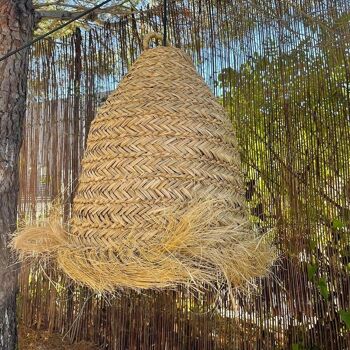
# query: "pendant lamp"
x,y
160,199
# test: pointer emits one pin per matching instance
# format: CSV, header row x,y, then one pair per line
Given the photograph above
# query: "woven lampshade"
x,y
160,200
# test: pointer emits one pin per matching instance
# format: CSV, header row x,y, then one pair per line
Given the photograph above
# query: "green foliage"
x,y
323,288
338,224
345,317
311,271
290,108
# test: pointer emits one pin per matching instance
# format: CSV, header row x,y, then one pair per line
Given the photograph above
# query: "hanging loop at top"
x,y
148,37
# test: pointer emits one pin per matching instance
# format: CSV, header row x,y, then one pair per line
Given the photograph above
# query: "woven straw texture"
x,y
160,198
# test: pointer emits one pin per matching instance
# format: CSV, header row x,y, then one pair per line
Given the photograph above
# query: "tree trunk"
x,y
16,25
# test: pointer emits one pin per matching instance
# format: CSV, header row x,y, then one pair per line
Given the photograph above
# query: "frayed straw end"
x,y
38,241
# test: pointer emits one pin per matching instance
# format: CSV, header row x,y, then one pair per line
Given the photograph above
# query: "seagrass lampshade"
x,y
160,200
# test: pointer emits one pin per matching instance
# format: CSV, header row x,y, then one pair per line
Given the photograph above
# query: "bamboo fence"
x,y
282,70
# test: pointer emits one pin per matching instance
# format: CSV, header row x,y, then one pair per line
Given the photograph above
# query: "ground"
x,y
30,339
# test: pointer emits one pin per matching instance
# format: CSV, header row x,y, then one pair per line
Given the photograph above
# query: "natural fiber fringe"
x,y
43,238
199,246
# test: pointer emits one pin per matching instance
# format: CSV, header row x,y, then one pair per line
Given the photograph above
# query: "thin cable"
x,y
165,19
54,30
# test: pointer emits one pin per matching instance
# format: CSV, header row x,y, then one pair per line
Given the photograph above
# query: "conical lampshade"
x,y
160,200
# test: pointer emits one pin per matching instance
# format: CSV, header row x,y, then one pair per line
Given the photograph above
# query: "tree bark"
x,y
16,26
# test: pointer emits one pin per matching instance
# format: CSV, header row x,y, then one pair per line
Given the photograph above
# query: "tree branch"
x,y
64,14
59,4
